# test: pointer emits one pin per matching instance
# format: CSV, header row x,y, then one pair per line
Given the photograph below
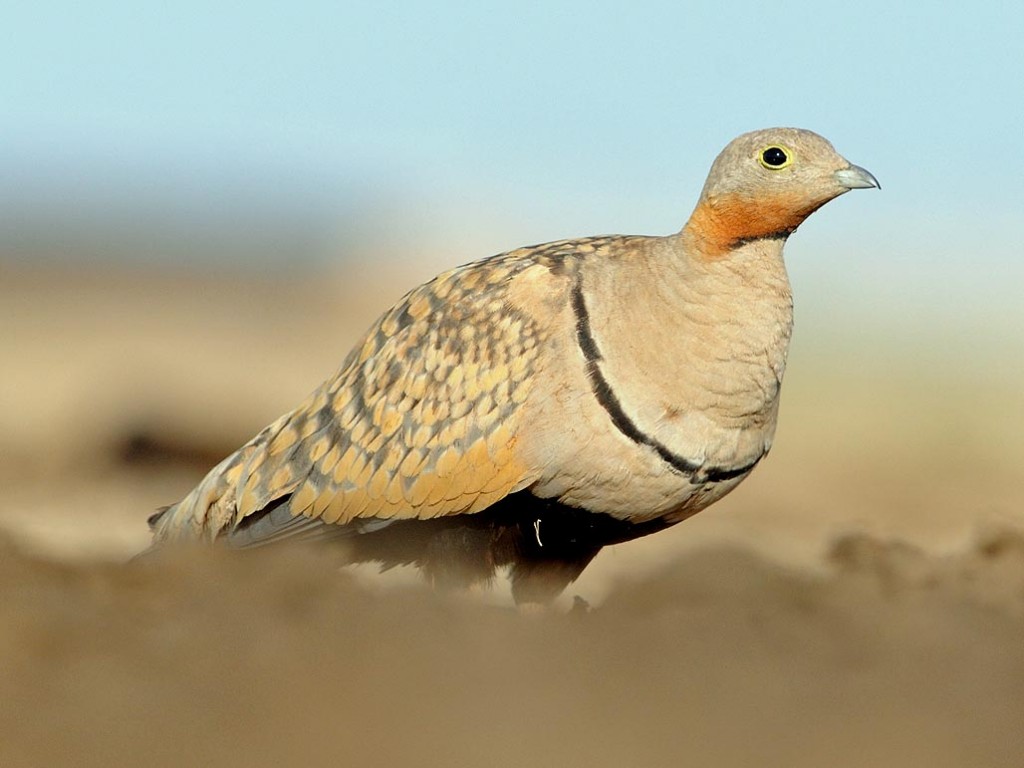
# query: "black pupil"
x,y
774,156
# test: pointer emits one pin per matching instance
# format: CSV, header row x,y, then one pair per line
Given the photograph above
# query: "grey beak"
x,y
856,177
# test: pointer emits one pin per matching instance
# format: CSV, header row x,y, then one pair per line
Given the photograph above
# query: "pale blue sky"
x,y
480,126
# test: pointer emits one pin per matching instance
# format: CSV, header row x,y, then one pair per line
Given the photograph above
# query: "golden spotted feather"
x,y
420,421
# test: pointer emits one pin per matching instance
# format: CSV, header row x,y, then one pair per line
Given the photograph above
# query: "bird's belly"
x,y
593,466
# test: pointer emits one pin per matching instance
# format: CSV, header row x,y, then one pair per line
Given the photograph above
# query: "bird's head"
x,y
765,183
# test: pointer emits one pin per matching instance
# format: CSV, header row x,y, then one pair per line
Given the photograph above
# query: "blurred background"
x,y
203,205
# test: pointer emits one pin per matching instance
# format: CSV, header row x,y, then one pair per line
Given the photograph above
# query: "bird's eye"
x,y
773,158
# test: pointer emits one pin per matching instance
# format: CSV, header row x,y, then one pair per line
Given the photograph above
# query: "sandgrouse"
x,y
530,408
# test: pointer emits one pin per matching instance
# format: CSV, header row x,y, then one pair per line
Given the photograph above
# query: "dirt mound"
x,y
892,657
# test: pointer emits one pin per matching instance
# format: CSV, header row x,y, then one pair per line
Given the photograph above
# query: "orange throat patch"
x,y
721,224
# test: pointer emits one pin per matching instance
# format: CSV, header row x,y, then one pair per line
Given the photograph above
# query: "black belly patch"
x,y
546,543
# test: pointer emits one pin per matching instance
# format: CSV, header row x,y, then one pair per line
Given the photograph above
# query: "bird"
x,y
519,413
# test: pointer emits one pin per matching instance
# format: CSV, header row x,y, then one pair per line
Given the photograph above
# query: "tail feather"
x,y
153,520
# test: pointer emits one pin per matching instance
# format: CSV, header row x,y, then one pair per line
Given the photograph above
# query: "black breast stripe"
x,y
720,474
610,402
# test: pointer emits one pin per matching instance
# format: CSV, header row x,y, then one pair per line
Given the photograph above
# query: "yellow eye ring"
x,y
774,157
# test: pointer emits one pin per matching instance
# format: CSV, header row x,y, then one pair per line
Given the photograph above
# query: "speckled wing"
x,y
420,421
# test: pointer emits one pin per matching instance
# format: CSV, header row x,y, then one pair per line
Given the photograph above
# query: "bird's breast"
x,y
665,396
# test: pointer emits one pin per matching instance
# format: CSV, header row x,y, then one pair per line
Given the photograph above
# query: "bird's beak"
x,y
855,177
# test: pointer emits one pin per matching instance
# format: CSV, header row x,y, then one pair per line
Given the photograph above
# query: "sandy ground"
x,y
858,601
